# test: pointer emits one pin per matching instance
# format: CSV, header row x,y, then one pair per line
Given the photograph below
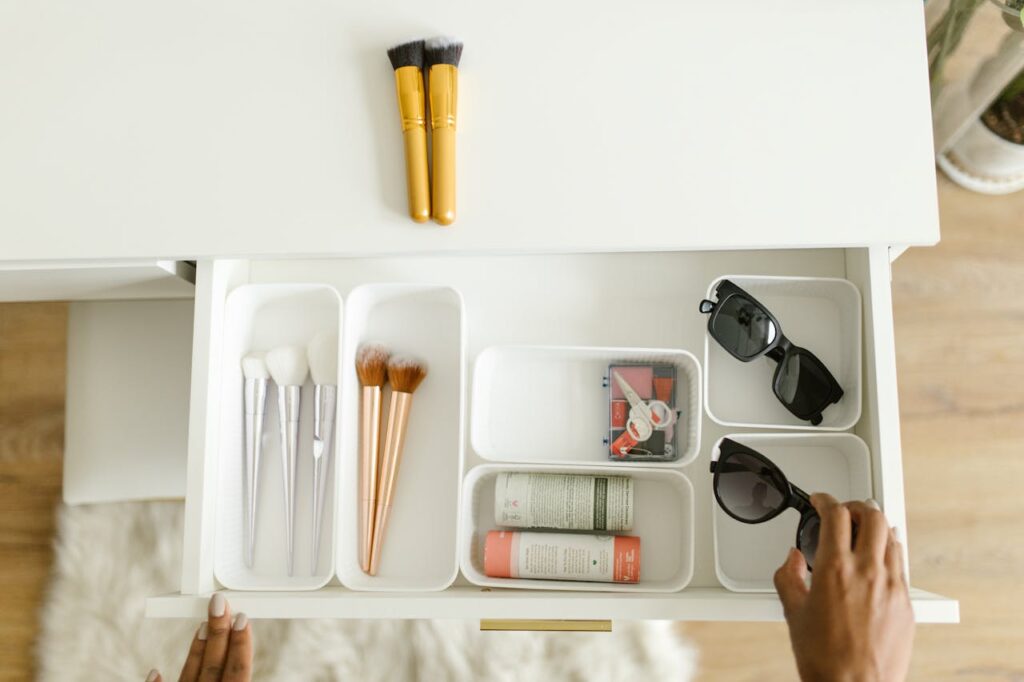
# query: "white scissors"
x,y
644,417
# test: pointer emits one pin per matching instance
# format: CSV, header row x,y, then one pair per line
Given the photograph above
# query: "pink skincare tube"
x,y
562,556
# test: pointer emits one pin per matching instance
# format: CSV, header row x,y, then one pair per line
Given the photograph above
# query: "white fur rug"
x,y
111,556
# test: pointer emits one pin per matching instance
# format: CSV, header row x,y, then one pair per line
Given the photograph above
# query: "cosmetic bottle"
x,y
563,501
562,556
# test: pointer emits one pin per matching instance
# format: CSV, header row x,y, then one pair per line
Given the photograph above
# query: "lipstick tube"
x,y
444,95
412,109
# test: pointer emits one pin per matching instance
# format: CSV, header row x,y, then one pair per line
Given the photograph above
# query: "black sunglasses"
x,y
751,488
745,328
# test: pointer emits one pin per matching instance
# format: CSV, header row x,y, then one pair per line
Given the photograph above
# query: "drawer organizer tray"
x,y
546,404
821,314
530,300
746,555
259,318
419,552
663,520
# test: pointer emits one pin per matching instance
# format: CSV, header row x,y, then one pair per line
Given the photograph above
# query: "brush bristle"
x,y
443,50
406,374
254,366
372,365
323,358
288,365
406,54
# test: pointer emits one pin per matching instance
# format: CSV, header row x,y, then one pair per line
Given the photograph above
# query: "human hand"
x,y
855,621
221,651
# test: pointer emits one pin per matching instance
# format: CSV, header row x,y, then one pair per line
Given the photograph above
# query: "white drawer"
x,y
557,300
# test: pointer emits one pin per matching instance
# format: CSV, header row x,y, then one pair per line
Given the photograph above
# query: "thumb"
x,y
790,582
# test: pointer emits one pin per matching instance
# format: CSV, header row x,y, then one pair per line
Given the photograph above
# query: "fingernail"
x,y
871,502
241,620
153,674
201,635
218,605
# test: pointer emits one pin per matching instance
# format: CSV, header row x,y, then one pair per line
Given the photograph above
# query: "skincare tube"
x,y
563,501
562,556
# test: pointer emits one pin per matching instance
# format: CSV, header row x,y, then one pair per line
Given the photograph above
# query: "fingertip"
x,y
822,501
218,605
153,676
241,622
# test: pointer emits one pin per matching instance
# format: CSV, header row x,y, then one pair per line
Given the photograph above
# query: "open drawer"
x,y
566,300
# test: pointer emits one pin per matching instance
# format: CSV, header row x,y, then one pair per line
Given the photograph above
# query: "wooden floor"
x,y
960,338
32,362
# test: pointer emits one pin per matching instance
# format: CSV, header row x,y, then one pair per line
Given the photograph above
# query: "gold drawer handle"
x,y
514,625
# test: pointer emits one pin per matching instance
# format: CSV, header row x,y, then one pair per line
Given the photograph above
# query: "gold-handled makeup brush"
x,y
442,58
372,368
407,60
405,375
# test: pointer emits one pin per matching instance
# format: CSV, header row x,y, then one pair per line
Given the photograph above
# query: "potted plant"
x,y
989,157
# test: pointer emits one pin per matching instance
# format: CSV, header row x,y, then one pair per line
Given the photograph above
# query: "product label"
x,y
592,558
563,501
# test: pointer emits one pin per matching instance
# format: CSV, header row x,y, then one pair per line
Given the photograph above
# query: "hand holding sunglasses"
x,y
747,330
855,620
751,488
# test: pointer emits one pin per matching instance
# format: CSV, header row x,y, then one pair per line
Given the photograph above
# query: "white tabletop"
x,y
146,128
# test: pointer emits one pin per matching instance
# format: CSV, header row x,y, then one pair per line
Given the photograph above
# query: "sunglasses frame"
x,y
779,349
795,498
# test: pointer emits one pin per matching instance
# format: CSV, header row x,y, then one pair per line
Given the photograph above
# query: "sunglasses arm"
x,y
800,500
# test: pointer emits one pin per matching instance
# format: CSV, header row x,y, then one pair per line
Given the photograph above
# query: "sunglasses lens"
x,y
802,383
807,537
749,488
742,327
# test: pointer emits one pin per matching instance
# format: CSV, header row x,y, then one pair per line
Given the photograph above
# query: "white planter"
x,y
982,161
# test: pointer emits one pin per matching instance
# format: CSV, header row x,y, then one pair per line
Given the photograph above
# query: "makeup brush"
x,y
405,375
407,60
288,367
372,368
254,369
442,58
323,365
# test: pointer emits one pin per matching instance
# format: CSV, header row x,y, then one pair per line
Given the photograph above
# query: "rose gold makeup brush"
x,y
405,375
372,368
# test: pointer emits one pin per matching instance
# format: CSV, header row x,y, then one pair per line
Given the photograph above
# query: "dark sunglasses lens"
x,y
748,488
802,383
807,537
742,327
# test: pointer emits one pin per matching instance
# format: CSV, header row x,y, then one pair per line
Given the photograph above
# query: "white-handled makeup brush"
x,y
323,365
289,369
254,369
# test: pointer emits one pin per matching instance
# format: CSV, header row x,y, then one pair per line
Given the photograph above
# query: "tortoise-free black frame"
x,y
780,349
792,496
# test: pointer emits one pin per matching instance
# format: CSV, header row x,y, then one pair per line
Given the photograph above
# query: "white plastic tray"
x,y
663,520
820,314
747,555
419,552
546,404
259,317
